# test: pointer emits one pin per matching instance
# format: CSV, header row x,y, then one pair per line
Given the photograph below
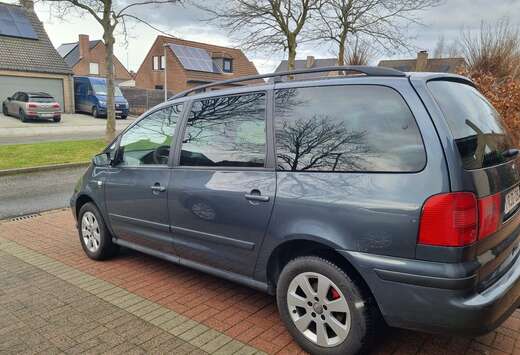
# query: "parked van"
x,y
351,198
90,96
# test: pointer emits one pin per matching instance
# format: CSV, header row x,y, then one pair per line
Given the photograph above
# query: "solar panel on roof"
x,y
193,58
65,49
14,22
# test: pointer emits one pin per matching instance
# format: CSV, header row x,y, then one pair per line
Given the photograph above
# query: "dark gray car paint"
x,y
371,219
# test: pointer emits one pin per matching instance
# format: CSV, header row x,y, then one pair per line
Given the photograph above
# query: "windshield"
x,y
101,89
480,135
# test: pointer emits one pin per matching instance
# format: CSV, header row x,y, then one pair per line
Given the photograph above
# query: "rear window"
x,y
480,135
42,99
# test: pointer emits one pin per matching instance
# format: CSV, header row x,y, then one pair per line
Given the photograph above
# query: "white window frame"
x,y
156,62
93,68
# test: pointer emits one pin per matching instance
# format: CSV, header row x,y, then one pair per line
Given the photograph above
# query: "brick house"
x,y
423,63
189,64
28,60
87,58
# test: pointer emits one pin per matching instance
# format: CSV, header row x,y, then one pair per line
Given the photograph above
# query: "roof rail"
x,y
361,69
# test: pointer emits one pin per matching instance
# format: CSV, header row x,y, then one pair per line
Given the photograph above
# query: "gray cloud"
x,y
186,22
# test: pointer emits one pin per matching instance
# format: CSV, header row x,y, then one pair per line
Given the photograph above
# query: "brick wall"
x,y
97,55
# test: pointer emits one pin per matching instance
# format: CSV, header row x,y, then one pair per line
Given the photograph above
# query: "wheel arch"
x,y
304,246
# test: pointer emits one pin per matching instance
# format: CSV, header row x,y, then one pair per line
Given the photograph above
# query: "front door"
x,y
221,194
136,189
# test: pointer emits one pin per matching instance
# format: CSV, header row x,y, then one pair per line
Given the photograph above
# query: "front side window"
x,y
227,131
148,141
346,128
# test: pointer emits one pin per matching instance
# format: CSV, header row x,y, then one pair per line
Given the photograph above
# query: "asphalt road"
x,y
35,192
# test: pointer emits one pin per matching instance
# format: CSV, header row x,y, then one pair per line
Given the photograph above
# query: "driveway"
x,y
72,127
157,303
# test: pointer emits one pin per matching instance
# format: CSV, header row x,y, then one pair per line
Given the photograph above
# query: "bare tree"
x,y
494,49
109,14
358,52
384,23
265,24
445,49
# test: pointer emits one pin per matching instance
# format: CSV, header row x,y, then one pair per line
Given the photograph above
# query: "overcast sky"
x,y
186,22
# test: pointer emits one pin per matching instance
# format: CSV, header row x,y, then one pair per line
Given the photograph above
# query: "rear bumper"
x,y
48,116
437,297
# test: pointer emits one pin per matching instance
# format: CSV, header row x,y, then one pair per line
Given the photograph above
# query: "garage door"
x,y
11,84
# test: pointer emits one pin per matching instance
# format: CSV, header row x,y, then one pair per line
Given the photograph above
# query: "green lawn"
x,y
38,154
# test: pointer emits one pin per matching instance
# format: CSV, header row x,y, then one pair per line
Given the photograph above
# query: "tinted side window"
x,y
479,132
148,141
226,131
346,128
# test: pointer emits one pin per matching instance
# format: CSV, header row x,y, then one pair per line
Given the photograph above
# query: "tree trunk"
x,y
291,44
341,53
110,131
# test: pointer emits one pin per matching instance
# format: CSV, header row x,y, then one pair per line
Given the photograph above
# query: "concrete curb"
x,y
36,169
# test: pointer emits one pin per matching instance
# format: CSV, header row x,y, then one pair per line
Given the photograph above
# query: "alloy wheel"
x,y
318,309
90,231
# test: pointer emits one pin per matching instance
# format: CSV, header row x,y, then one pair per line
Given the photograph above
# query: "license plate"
x,y
512,200
46,114
119,112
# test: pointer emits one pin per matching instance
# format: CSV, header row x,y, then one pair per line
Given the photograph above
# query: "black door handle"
x,y
255,195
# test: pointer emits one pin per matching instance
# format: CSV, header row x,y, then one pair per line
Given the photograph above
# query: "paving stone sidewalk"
x,y
40,313
54,299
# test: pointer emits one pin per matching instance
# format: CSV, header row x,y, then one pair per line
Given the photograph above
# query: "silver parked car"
x,y
32,105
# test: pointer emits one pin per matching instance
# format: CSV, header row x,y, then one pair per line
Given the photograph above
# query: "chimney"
x,y
422,61
84,46
28,4
310,62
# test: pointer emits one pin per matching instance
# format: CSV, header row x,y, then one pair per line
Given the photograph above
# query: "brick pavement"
x,y
193,310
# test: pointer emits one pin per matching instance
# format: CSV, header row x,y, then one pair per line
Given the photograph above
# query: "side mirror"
x,y
9,98
102,159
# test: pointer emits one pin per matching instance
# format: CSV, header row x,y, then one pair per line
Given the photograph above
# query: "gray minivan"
x,y
352,198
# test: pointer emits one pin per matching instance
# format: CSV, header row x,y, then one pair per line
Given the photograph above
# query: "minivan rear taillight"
x,y
458,219
449,220
55,105
31,105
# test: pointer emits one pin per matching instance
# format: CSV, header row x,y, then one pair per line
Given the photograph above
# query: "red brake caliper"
x,y
334,294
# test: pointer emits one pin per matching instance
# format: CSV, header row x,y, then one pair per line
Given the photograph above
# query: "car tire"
x,y
57,119
94,236
349,330
22,116
4,110
95,112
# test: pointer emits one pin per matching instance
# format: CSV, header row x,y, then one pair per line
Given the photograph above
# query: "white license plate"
x,y
119,112
46,114
512,200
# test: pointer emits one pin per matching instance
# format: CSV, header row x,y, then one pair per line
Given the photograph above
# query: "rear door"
x,y
136,189
222,192
489,167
